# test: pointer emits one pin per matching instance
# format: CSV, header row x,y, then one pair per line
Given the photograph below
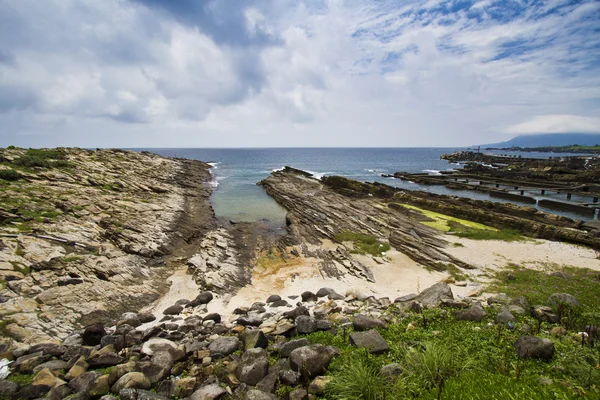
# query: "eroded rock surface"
x,y
97,236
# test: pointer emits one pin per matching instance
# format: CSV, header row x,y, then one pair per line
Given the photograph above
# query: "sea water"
x,y
236,173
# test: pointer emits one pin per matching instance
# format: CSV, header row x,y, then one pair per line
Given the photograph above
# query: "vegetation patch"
x,y
506,235
43,159
363,244
455,272
439,357
21,379
537,286
442,221
10,175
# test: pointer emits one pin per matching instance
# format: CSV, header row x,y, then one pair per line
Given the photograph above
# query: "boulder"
x,y
92,334
223,346
254,394
86,382
534,347
370,340
202,298
79,367
293,314
213,317
286,349
309,296
363,323
543,313
273,298
311,360
146,317
131,380
253,338
158,344
562,299
51,349
474,313
8,388
500,298
173,310
433,295
253,367
139,394
504,316
305,324
213,391
298,394
159,367
55,366
130,318
325,292
319,384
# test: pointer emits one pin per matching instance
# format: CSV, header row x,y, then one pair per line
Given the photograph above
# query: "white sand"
x,y
398,276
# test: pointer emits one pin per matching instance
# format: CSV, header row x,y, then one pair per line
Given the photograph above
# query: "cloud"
x,y
135,73
557,124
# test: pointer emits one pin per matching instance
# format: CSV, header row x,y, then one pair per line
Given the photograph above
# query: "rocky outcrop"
x,y
93,236
318,211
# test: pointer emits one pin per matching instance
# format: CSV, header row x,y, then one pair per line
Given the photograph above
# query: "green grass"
x,y
68,259
537,286
459,359
442,222
506,235
363,244
455,272
21,379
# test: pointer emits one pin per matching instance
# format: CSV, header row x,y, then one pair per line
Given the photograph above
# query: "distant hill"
x,y
552,139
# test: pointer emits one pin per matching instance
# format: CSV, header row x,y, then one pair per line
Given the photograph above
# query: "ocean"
x,y
236,172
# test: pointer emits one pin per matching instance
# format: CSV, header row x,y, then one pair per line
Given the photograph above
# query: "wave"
x,y
214,164
318,175
432,171
277,169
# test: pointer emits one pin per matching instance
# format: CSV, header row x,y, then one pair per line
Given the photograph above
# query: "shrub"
x,y
31,161
433,365
9,175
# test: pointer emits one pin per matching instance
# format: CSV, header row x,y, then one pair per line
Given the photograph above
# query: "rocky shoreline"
x,y
135,213
120,281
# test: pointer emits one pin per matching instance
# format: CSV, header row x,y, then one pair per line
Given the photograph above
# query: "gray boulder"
x,y
202,298
311,360
253,338
370,340
504,316
562,299
92,334
305,324
254,394
286,349
139,394
209,392
309,296
534,347
173,310
433,295
223,346
363,323
474,313
131,380
273,298
254,366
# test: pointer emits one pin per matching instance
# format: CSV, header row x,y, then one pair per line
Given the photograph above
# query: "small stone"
x,y
253,338
202,298
309,296
216,317
311,360
504,316
319,384
132,380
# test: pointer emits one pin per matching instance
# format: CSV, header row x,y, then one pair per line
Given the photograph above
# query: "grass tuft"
x,y
363,244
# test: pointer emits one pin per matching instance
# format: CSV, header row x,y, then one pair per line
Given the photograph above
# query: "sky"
x,y
287,73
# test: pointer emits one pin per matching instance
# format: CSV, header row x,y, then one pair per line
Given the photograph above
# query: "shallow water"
x,y
236,172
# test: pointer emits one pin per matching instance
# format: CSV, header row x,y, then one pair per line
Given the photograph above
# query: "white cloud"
x,y
345,73
557,124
